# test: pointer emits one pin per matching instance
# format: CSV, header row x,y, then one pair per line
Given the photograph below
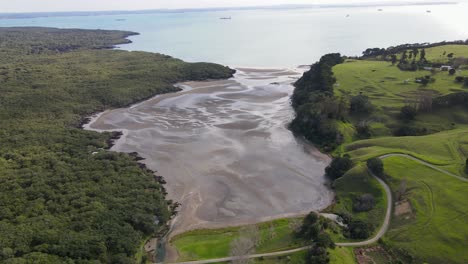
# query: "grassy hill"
x,y
63,197
432,231
435,231
369,107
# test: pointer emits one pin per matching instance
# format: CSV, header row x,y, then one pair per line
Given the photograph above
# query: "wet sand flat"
x,y
224,149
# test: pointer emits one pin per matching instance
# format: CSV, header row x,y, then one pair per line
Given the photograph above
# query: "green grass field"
x,y
436,54
447,149
342,255
389,89
339,255
436,230
354,183
275,235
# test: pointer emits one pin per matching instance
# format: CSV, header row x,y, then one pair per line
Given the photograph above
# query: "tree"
x,y
376,166
415,52
364,203
363,130
424,81
338,167
318,255
466,166
394,59
404,56
408,112
423,55
359,229
310,226
324,240
360,104
424,101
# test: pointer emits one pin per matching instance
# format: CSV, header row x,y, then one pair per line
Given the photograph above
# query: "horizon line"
x,y
34,14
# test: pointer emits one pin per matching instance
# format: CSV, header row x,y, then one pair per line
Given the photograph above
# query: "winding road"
x,y
381,233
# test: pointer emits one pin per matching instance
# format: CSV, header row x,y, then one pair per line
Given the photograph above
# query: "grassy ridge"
x,y
389,89
63,197
353,184
447,150
436,231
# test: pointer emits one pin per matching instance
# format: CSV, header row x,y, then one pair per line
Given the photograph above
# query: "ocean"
x,y
274,38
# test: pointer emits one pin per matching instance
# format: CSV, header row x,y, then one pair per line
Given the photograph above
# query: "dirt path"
x,y
380,234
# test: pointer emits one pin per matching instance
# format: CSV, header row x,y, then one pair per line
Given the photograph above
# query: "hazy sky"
x,y
97,5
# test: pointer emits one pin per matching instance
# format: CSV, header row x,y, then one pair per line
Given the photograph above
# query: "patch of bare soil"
x,y
402,208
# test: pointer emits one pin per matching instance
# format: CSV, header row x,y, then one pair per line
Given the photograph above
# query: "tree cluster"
x,y
63,197
364,203
376,166
338,167
316,107
313,229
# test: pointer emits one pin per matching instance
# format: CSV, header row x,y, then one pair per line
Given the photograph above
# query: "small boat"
x,y
347,15
120,19
380,10
225,18
428,11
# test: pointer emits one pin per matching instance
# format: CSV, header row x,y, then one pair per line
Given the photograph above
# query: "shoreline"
x,y
189,88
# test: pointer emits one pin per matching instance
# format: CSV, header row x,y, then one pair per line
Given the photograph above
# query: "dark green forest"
x,y
63,197
317,108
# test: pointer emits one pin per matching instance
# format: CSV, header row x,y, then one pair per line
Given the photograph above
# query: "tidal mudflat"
x,y
224,149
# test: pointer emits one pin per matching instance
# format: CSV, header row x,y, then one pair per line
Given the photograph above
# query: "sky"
x,y
7,6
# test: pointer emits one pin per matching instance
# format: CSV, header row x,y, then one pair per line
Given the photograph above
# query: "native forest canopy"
x,y
63,197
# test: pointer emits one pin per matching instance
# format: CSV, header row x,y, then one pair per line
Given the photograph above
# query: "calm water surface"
x,y
275,38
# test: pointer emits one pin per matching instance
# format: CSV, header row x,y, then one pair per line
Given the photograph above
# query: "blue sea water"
x,y
274,38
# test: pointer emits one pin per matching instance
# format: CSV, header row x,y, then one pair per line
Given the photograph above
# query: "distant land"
x,y
275,7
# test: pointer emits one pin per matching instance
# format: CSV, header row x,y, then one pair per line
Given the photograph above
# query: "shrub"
x,y
363,130
404,131
459,79
452,71
465,82
375,165
310,226
408,112
359,230
360,104
466,166
318,255
364,203
338,167
324,240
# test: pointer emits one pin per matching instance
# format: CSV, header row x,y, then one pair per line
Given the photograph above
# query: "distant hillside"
x,y
273,7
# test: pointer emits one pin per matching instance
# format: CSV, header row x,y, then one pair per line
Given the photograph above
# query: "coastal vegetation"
x,y
405,100
63,197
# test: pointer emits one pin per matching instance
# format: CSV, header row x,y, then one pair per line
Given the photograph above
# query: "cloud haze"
x,y
99,5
